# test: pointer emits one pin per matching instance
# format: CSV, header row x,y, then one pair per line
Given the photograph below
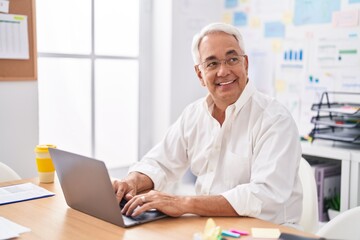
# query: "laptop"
x,y
87,188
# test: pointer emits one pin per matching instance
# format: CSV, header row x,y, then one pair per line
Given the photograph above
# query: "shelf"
x,y
342,119
337,121
338,134
340,108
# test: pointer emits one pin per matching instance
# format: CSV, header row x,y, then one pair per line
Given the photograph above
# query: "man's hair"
x,y
211,28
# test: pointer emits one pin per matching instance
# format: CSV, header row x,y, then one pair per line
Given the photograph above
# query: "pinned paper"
x,y
14,27
348,18
314,11
240,19
231,3
265,233
4,6
274,29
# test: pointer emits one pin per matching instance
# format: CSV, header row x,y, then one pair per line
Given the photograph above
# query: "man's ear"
x,y
199,75
246,64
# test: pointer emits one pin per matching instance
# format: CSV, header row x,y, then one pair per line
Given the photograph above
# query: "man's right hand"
x,y
134,183
124,189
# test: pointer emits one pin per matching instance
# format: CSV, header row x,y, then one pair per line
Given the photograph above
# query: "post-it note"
x,y
265,233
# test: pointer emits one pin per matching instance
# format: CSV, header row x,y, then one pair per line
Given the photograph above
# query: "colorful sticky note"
x,y
314,11
227,18
265,233
240,19
274,29
231,3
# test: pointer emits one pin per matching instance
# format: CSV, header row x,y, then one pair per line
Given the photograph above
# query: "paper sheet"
x,y
22,192
4,6
9,229
14,40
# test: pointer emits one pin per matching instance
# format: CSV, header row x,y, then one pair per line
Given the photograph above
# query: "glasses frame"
x,y
221,61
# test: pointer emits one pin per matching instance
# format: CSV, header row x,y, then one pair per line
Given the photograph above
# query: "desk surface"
x,y
51,218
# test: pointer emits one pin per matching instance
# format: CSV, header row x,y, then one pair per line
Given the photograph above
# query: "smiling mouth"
x,y
225,83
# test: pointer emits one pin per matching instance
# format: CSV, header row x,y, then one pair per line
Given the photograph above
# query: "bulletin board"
x,y
299,48
14,69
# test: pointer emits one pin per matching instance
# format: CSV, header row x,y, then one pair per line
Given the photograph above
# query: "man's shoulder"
x,y
270,106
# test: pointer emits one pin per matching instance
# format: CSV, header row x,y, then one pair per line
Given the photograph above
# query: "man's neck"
x,y
219,114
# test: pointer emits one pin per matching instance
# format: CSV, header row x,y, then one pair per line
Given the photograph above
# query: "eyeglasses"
x,y
214,64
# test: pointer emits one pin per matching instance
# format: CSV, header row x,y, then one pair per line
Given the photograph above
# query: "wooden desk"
x,y
51,218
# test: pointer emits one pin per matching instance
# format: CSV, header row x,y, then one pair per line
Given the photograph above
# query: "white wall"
x,y
175,83
19,127
188,18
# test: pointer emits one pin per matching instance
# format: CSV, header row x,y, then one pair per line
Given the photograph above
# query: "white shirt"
x,y
252,159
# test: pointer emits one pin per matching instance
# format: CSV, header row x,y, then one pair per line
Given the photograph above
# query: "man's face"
x,y
226,81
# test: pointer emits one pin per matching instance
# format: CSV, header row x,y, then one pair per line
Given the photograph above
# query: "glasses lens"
x,y
212,65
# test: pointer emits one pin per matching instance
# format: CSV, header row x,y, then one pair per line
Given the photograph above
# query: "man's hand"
x,y
176,206
169,204
124,189
134,183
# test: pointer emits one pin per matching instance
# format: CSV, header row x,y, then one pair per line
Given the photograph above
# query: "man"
x,y
243,146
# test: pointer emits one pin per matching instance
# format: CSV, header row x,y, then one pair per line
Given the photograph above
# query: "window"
x,y
88,72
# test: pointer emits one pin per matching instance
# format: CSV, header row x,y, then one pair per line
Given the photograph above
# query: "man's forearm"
x,y
208,206
140,181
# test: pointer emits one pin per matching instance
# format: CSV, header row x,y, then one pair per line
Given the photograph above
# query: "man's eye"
x,y
233,60
212,64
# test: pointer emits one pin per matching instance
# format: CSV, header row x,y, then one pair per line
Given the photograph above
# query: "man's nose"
x,y
223,69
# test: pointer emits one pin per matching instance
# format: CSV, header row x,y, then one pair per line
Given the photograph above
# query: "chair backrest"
x,y
7,174
310,215
344,226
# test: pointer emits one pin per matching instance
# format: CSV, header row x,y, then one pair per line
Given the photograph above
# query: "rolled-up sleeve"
x,y
166,162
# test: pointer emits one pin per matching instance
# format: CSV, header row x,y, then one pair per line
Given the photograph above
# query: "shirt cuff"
x,y
243,201
153,172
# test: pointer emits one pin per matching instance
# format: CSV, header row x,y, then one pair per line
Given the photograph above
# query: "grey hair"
x,y
211,28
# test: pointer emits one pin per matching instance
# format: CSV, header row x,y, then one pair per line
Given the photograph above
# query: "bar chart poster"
x,y
338,53
293,55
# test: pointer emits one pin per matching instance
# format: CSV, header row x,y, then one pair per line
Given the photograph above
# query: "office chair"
x,y
310,216
344,226
7,174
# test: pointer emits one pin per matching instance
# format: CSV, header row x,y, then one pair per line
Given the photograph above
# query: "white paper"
x,y
4,6
336,53
14,40
22,192
9,229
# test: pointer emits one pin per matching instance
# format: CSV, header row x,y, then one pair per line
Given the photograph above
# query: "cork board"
x,y
13,69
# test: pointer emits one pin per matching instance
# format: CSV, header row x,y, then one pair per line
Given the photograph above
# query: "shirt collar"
x,y
248,91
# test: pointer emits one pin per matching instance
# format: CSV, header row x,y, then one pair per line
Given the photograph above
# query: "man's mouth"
x,y
225,83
